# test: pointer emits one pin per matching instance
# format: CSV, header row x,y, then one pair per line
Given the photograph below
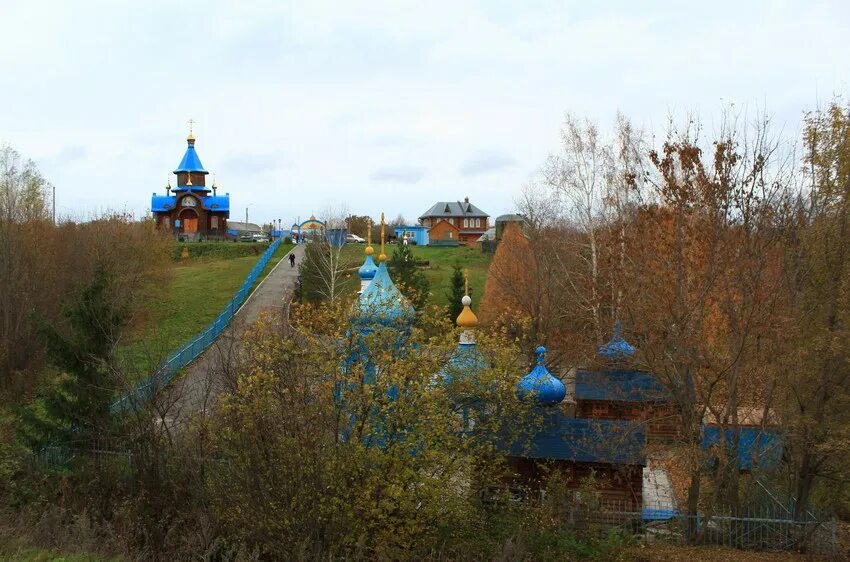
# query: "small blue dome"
x,y
368,270
540,383
617,347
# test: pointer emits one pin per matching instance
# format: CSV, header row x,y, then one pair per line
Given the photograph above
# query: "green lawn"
x,y
439,270
171,316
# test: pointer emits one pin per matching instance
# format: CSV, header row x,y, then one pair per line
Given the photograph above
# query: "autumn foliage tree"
x,y
322,450
704,287
817,238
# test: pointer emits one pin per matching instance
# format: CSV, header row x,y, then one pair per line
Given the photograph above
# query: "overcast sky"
x,y
387,107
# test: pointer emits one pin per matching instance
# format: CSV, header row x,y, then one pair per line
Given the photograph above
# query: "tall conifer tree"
x,y
408,276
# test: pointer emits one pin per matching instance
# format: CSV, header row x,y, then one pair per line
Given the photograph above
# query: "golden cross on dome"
x,y
465,281
191,123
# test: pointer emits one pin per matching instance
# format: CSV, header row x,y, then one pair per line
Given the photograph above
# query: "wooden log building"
x,y
188,210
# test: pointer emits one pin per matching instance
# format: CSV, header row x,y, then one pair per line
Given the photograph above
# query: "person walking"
x,y
291,259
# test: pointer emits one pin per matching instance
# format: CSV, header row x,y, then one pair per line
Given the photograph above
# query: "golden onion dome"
x,y
467,318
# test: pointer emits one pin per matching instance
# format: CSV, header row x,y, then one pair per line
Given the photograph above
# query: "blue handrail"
x,y
166,372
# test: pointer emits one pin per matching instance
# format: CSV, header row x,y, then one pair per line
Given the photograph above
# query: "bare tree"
x,y
323,270
578,175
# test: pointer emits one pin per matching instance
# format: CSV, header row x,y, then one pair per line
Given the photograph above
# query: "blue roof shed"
x,y
417,234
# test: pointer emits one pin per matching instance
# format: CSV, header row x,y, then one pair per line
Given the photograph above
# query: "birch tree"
x,y
578,175
323,272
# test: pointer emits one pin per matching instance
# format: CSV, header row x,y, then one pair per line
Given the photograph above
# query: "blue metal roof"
x,y
540,383
757,447
381,303
162,203
400,229
192,188
190,162
620,385
583,440
216,202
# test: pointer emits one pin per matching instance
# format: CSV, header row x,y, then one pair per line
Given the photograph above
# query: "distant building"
x,y
502,220
454,222
188,209
235,228
414,234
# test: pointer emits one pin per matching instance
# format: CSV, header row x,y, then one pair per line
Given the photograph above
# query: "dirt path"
x,y
195,391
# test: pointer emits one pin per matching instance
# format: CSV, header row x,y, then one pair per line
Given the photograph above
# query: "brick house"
x,y
455,220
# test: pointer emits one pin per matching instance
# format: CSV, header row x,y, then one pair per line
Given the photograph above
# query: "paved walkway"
x,y
214,371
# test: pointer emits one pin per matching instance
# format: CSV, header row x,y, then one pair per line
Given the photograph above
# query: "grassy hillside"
x,y
194,296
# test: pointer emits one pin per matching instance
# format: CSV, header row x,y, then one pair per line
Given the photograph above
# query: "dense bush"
x,y
217,250
315,466
42,265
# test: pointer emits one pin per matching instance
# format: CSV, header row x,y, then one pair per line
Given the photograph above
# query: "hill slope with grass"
x,y
195,293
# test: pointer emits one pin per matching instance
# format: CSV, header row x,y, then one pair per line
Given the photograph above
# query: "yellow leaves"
x,y
311,441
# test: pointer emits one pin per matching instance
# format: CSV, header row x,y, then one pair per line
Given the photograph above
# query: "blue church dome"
x,y
190,161
368,270
381,303
541,384
617,347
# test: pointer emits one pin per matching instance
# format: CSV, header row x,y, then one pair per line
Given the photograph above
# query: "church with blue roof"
x,y
190,209
595,424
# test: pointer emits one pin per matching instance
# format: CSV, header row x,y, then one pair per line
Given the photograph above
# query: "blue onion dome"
x,y
617,348
541,384
381,303
368,270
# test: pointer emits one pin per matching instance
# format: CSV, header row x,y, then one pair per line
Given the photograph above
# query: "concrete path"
x,y
214,371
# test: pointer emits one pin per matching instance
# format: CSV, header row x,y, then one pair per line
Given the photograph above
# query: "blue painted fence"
x,y
188,353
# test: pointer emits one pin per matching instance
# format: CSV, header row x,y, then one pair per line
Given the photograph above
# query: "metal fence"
x,y
753,527
166,372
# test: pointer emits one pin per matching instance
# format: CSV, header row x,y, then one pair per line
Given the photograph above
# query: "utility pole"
x,y
54,205
246,218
